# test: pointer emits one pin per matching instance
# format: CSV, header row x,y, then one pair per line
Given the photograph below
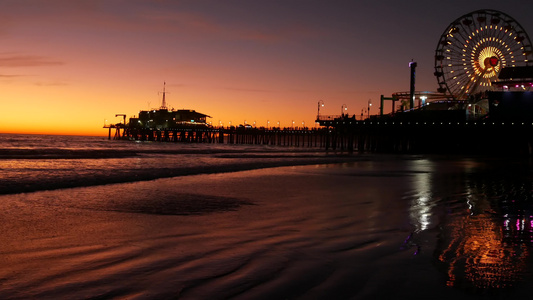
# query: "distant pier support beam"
x,y
412,65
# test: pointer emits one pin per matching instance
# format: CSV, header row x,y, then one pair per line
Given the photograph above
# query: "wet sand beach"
x,y
359,230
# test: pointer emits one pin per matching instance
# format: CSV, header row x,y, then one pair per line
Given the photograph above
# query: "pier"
x,y
487,123
289,137
501,125
371,135
434,137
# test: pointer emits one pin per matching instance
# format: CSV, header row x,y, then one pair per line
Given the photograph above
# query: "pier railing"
x,y
324,118
327,117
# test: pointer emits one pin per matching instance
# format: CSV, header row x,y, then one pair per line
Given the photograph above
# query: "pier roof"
x,y
516,73
514,76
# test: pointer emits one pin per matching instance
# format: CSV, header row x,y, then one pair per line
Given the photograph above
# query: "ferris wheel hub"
x,y
493,61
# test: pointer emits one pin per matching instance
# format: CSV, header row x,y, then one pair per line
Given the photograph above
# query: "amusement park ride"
x,y
475,48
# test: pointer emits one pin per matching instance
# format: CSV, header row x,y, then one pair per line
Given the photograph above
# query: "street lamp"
x,y
369,106
292,124
268,124
320,104
343,109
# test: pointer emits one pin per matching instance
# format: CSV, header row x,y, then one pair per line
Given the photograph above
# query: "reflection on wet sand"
x,y
422,202
484,245
477,256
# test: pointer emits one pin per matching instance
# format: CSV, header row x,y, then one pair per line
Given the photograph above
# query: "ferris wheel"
x,y
474,48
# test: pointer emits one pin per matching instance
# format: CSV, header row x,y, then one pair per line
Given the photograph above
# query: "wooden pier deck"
x,y
260,136
464,137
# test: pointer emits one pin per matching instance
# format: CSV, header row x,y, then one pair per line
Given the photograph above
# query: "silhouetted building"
x,y
164,118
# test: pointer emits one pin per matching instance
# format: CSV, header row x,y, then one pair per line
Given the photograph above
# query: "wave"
x,y
15,153
68,153
121,171
30,163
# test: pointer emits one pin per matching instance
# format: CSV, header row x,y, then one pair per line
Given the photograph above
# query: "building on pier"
x,y
165,118
149,122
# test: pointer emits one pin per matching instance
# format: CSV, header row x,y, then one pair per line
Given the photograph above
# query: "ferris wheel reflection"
x,y
482,220
487,245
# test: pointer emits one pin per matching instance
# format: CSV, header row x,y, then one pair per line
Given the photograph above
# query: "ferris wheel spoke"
x,y
460,37
455,59
474,82
456,48
501,33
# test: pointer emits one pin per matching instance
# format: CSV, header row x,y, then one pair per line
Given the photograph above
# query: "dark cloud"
x,y
16,61
10,76
247,90
51,83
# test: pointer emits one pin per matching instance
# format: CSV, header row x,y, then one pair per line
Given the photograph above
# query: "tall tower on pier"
x,y
164,102
412,65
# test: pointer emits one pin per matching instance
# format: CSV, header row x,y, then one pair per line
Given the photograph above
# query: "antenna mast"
x,y
164,103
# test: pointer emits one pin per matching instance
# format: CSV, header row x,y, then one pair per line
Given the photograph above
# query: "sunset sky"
x,y
66,66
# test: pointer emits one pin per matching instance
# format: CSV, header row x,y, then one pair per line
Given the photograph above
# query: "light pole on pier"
x,y
343,109
369,106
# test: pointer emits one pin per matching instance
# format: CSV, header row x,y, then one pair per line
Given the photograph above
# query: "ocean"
x,y
91,218
42,162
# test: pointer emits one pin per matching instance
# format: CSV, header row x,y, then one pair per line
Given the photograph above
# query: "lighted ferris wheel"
x,y
473,50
